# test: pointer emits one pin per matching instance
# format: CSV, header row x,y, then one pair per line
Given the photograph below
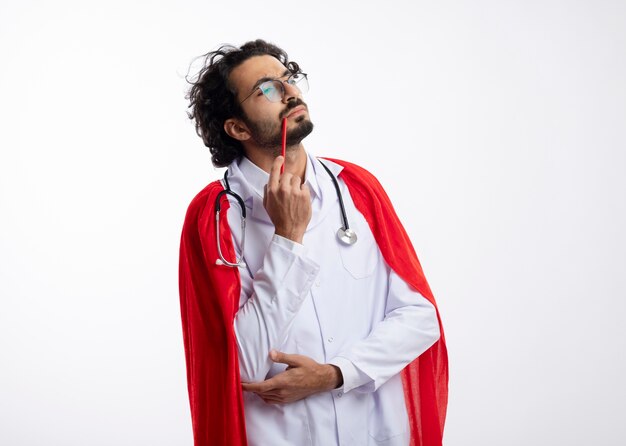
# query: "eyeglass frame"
x,y
281,84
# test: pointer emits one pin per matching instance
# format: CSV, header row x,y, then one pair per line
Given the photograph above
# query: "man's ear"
x,y
236,129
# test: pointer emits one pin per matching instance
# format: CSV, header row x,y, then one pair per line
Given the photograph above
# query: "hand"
x,y
288,202
302,378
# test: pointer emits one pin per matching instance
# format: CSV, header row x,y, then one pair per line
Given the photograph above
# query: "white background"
x,y
497,127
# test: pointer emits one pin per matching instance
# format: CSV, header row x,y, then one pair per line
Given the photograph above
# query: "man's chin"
x,y
304,128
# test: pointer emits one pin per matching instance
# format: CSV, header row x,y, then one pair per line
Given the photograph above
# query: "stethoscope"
x,y
345,235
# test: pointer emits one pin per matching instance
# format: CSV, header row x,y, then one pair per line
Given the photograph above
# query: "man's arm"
x,y
281,285
269,304
410,327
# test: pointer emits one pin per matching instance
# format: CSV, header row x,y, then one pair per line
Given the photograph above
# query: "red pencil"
x,y
282,168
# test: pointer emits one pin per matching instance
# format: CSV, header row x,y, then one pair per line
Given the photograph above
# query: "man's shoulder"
x,y
343,163
205,197
354,173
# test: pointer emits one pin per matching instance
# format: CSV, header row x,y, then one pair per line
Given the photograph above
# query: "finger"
x,y
275,172
265,196
265,386
285,358
271,395
305,189
285,181
272,401
276,396
255,387
295,181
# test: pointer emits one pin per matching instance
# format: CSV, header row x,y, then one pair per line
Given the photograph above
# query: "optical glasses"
x,y
274,90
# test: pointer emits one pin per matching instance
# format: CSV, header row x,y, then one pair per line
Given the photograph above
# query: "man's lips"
x,y
297,110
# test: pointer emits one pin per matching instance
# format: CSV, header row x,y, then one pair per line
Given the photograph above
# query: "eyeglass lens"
x,y
274,90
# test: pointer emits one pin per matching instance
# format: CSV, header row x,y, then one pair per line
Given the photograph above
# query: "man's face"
x,y
262,117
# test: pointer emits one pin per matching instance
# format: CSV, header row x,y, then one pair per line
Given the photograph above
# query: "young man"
x,y
320,328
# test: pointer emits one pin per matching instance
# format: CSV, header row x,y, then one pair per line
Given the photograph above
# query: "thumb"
x,y
285,358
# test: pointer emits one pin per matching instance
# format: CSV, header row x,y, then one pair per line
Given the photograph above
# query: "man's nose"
x,y
291,92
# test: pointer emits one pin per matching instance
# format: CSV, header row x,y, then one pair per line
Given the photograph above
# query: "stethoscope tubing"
x,y
345,234
344,217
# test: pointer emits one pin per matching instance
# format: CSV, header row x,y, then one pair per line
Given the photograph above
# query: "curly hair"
x,y
213,99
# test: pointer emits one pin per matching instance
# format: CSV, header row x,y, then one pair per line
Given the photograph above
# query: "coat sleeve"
x,y
265,316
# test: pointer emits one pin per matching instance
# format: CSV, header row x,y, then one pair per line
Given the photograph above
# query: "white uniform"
x,y
337,304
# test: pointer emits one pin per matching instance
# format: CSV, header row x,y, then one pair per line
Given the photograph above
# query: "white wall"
x,y
497,127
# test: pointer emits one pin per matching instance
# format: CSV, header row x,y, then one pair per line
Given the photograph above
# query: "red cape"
x,y
209,300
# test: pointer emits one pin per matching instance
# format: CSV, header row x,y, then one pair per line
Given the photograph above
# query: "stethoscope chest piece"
x,y
346,236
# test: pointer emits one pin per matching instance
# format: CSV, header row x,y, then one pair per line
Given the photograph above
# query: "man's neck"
x,y
295,160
